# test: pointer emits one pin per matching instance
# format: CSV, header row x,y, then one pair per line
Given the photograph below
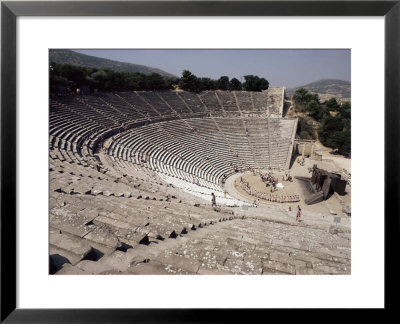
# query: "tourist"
x,y
298,213
213,200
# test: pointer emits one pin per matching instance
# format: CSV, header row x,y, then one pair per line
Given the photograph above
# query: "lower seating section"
x,y
204,150
170,148
234,133
271,140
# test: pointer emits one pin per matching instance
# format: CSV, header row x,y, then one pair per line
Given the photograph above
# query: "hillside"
x,y
70,57
326,89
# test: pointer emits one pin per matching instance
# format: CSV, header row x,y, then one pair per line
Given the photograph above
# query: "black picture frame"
x,y
11,10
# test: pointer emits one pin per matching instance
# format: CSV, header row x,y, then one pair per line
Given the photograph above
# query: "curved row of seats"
x,y
204,150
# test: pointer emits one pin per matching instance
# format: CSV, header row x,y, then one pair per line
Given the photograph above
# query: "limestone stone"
x,y
156,268
68,221
61,256
179,262
93,267
69,269
117,260
70,243
278,266
103,235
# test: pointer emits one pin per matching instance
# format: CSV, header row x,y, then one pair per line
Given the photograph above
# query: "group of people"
x,y
267,196
269,180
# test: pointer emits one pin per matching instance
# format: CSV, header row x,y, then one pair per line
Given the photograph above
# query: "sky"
x,y
288,68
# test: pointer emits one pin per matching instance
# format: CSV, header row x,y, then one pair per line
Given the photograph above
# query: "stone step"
x,y
93,267
69,269
179,262
269,266
71,244
156,268
103,235
126,232
59,257
117,260
70,222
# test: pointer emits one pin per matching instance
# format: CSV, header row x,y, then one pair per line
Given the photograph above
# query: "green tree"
x,y
263,84
207,84
313,107
332,104
254,83
188,81
302,96
223,83
155,81
345,110
235,84
316,110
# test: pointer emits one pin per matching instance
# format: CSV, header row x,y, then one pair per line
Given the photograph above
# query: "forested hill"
x,y
334,87
63,56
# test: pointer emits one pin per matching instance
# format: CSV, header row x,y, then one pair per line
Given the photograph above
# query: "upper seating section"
x,y
275,100
136,102
176,102
211,101
123,107
155,101
260,102
193,101
228,101
245,101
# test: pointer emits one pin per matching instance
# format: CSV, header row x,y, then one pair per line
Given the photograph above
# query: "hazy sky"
x,y
289,68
